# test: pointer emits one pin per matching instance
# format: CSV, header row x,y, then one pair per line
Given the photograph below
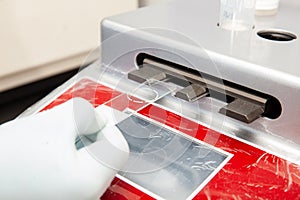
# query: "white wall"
x,y
39,38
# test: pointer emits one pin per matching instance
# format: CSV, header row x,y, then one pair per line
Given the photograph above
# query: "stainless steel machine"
x,y
256,70
225,101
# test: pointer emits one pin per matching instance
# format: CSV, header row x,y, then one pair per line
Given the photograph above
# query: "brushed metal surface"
x,y
187,34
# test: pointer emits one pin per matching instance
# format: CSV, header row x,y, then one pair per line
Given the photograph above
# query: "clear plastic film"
x,y
179,149
165,163
123,105
172,156
162,160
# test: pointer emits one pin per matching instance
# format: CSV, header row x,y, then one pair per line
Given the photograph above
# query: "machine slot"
x,y
244,104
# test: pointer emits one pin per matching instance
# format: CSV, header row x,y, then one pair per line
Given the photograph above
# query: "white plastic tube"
x,y
266,7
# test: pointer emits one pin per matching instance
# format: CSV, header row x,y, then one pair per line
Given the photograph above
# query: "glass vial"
x,y
237,15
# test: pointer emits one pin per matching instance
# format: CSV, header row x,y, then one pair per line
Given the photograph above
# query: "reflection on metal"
x,y
246,106
216,85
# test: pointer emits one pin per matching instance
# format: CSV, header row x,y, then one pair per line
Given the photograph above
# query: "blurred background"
x,y
43,44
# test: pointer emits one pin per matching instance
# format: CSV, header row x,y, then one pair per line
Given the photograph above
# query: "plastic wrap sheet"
x,y
175,158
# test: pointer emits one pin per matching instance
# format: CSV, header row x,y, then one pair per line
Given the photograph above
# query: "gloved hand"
x,y
39,160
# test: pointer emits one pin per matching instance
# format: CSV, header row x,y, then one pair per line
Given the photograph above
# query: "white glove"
x,y
39,160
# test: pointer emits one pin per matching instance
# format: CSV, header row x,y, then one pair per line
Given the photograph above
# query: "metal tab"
x,y
146,74
192,92
243,110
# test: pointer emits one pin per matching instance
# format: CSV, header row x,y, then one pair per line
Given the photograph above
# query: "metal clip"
x,y
242,110
146,74
247,104
192,92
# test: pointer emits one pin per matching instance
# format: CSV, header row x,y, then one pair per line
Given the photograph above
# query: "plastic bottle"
x,y
266,7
